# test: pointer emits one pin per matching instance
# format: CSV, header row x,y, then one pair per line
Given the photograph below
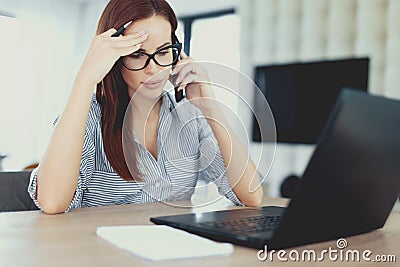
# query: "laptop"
x,y
349,187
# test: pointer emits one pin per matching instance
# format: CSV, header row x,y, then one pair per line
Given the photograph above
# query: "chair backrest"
x,y
13,192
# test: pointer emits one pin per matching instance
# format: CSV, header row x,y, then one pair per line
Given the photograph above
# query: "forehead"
x,y
156,26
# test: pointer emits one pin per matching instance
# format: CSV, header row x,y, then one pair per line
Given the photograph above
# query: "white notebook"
x,y
160,242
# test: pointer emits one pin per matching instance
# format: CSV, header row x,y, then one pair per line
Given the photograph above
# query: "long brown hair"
x,y
112,92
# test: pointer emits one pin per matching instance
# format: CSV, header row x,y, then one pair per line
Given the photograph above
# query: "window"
x,y
217,40
214,37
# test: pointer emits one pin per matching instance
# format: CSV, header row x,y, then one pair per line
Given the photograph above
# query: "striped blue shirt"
x,y
187,150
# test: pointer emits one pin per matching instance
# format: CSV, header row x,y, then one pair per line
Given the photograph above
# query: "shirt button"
x,y
158,185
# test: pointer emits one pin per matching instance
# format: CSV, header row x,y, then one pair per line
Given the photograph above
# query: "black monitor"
x,y
301,96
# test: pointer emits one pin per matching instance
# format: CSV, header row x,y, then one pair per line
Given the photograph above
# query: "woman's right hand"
x,y
105,50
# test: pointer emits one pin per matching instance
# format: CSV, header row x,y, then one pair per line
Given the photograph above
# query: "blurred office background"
x,y
43,43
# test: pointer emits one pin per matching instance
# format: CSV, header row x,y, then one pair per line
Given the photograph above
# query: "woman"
x,y
158,163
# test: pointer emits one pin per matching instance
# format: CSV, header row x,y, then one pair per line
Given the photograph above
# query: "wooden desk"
x,y
32,238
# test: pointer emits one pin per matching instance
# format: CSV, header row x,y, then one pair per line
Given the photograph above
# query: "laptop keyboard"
x,y
247,225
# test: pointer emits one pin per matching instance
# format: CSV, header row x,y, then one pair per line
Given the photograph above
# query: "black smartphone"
x,y
179,95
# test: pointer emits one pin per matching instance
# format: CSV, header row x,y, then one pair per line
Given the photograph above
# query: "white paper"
x,y
160,242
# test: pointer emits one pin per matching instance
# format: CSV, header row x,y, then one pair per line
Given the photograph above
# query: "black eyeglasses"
x,y
163,57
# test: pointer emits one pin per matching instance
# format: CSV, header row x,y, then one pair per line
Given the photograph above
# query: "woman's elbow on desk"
x,y
51,206
253,199
54,195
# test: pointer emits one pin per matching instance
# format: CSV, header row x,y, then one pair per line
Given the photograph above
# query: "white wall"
x,y
302,30
42,49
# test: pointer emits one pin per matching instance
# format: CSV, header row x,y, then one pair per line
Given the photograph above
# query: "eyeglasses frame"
x,y
152,56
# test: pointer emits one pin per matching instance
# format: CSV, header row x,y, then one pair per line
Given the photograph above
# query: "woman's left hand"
x,y
194,78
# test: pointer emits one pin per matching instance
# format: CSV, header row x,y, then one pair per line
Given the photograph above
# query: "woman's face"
x,y
144,82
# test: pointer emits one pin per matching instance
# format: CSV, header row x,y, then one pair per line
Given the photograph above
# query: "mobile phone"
x,y
179,95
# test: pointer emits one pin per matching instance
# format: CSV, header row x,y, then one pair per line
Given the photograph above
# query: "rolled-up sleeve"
x,y
211,162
